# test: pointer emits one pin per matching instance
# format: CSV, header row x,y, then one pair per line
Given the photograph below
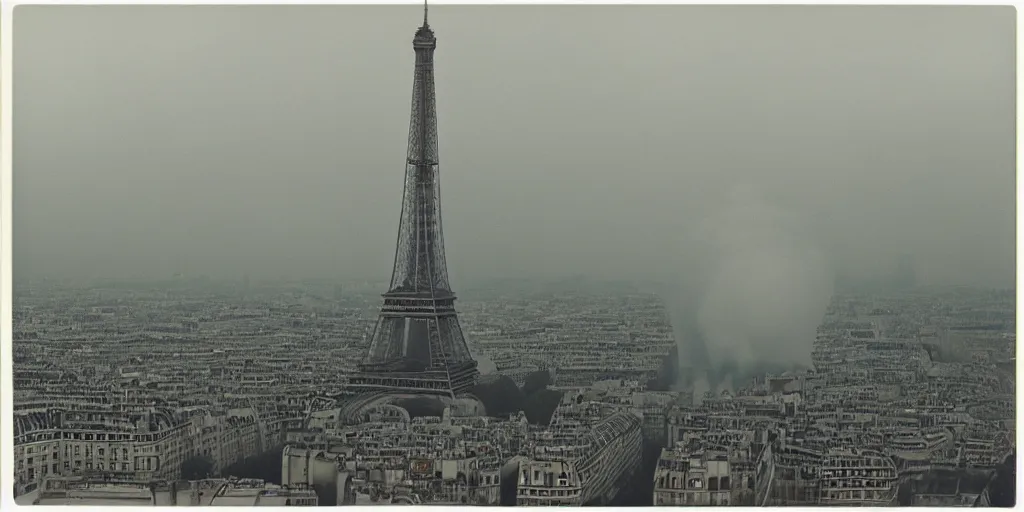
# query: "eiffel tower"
x,y
417,344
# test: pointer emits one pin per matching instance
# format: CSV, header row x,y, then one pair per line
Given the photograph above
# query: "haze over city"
x,y
742,157
606,141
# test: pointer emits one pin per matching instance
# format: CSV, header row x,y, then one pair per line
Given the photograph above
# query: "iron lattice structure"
x,y
417,344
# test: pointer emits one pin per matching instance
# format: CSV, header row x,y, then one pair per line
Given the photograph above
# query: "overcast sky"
x,y
614,141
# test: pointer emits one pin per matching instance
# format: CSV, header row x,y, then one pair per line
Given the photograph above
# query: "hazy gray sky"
x,y
618,141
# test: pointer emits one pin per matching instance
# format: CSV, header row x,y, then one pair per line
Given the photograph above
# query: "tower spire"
x,y
418,345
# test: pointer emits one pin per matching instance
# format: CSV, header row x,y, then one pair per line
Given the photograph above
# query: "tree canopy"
x,y
540,406
422,406
1003,489
501,397
536,381
197,467
266,466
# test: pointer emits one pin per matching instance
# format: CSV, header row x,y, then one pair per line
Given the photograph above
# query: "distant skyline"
x,y
765,144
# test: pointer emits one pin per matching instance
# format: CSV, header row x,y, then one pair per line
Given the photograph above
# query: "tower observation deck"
x,y
417,345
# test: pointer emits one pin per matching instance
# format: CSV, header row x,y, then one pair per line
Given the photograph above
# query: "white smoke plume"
x,y
756,291
700,386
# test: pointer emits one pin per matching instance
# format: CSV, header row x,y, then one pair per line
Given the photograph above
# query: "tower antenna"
x,y
425,13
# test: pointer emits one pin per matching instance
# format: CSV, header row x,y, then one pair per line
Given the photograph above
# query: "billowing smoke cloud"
x,y
755,289
700,386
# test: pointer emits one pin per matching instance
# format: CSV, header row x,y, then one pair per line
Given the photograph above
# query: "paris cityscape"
x,y
770,376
